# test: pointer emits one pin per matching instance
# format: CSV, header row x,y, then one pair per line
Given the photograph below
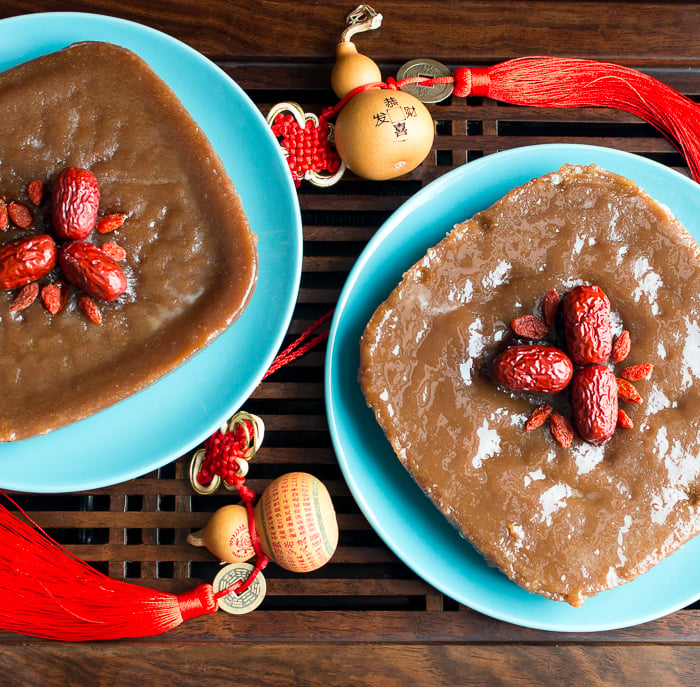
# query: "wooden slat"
x,y
274,664
494,30
450,628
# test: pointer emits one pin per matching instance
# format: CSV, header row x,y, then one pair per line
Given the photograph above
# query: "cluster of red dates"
x,y
93,269
594,389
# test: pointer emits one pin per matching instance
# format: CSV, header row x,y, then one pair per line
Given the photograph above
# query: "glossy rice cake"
x,y
191,259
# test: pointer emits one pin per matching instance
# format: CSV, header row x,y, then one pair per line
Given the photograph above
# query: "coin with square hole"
x,y
249,599
428,69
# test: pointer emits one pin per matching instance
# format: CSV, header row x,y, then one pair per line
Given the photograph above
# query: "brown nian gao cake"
x,y
191,262
565,523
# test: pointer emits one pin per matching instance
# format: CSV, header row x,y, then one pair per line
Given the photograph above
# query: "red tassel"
x,y
560,82
45,591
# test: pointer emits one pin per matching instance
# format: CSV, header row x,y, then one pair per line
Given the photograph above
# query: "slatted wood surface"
x,y
383,623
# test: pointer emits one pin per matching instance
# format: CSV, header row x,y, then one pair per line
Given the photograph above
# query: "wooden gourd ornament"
x,y
226,535
380,133
351,68
294,519
292,524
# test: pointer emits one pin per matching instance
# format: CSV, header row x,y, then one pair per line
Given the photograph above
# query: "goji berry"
x,y
550,305
621,347
35,191
110,223
20,215
624,420
538,417
634,373
627,392
89,307
26,296
113,250
4,216
562,430
54,296
529,327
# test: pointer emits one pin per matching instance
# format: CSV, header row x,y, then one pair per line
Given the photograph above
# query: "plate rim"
x,y
334,422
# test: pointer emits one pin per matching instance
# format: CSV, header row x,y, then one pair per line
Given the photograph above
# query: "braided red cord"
x,y
308,149
261,559
300,346
221,450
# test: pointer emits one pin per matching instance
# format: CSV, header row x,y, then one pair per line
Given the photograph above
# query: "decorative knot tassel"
x,y
561,82
45,591
197,601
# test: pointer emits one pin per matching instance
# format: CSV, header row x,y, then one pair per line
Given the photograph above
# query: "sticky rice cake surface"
x,y
191,260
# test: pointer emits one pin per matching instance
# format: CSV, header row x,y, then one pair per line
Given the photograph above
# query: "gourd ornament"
x,y
351,68
226,535
294,520
380,133
292,524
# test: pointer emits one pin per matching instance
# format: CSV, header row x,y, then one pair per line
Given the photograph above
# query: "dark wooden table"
x,y
364,619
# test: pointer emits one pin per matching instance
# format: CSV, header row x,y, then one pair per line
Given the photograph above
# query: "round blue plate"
x,y
173,415
392,502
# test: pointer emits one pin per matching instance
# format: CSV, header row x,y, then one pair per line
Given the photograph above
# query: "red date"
x,y
594,403
90,269
75,201
532,367
26,260
587,325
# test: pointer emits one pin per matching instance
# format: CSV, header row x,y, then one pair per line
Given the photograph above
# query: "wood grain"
x,y
376,665
468,32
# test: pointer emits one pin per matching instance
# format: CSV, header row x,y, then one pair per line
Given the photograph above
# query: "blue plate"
x,y
392,502
173,415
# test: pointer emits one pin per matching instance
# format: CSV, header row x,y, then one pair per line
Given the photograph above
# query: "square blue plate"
x,y
170,417
392,502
